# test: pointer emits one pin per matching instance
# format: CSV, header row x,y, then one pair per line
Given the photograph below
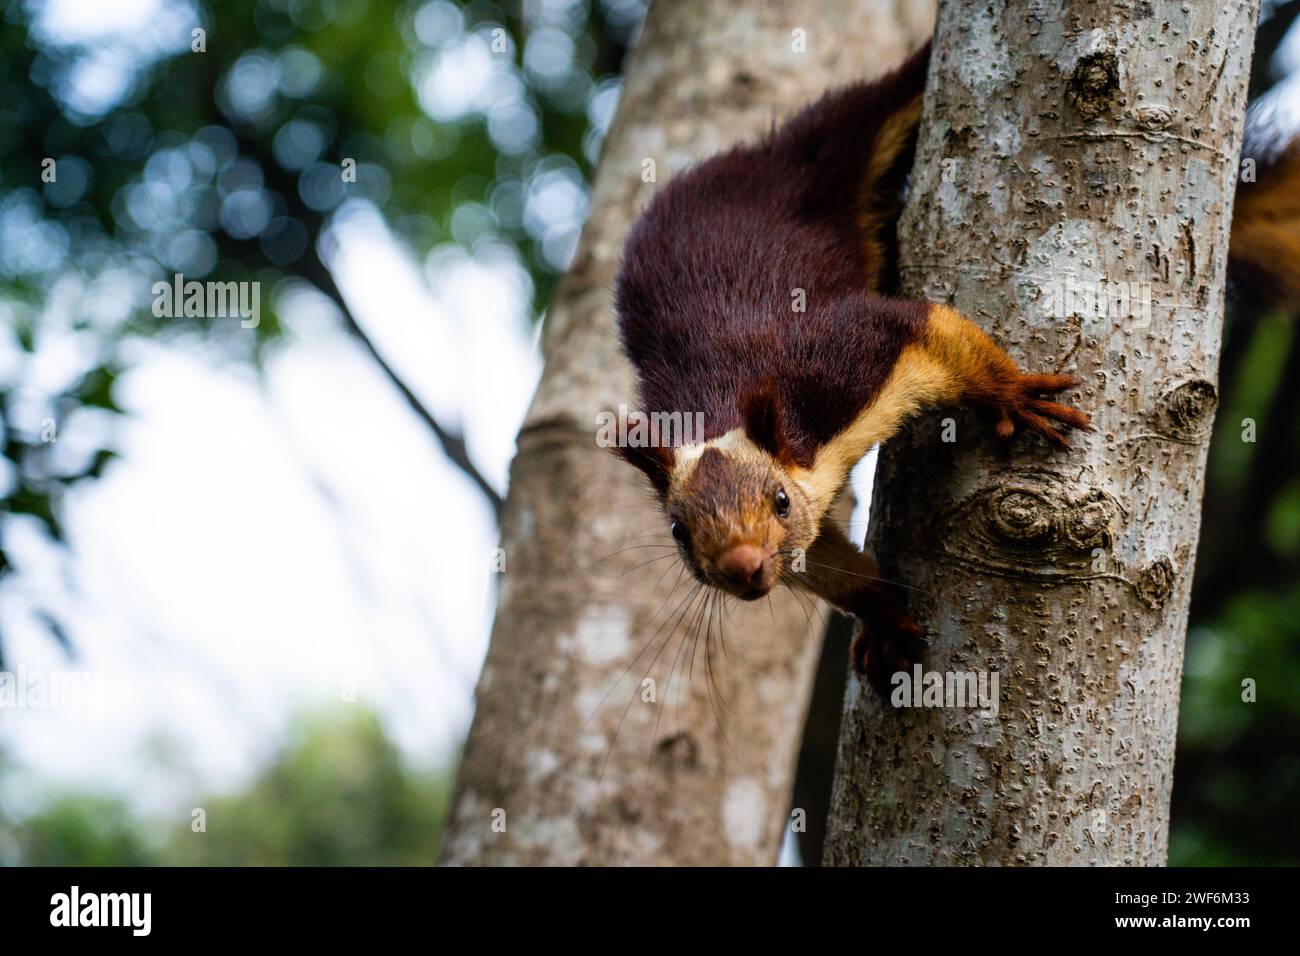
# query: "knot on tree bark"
x,y
1094,84
1186,412
1156,582
1036,514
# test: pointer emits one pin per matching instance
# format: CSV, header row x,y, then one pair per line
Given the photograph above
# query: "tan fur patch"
x,y
935,370
873,209
950,359
734,444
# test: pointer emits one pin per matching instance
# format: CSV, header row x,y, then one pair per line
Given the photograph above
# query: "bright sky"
x,y
260,549
266,546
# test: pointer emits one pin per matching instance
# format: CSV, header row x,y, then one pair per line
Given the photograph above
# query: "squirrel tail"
x,y
1264,252
852,151
880,193
1264,249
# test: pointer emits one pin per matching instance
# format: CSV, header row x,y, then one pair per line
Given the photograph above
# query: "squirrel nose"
x,y
742,564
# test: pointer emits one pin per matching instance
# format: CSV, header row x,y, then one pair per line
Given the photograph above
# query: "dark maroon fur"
x,y
704,296
656,462
760,414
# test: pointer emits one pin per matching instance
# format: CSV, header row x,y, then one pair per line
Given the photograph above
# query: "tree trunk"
x,y
1063,153
534,785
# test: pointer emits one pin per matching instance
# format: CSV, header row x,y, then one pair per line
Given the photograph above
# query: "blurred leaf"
x,y
339,794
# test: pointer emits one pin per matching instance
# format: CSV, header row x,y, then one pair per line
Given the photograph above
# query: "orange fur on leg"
x,y
987,378
949,360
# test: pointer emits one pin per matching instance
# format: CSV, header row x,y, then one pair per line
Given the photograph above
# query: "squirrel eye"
x,y
782,504
679,532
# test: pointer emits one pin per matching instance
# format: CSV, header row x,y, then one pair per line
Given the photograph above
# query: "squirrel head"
x,y
739,517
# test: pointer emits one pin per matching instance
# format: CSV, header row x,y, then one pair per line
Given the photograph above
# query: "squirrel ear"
x,y
760,411
655,461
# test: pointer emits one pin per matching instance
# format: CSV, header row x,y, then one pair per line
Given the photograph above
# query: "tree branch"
x,y
452,442
315,271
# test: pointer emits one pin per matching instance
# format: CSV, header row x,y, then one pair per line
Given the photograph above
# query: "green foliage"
x,y
79,829
1265,356
338,794
1237,772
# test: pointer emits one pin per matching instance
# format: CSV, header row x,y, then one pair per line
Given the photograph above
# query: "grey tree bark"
x,y
534,785
1071,155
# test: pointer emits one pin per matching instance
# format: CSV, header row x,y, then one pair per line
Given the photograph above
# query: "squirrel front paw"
x,y
883,646
1017,405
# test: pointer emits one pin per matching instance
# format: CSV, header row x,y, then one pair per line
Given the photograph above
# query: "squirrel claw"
x,y
881,649
1019,406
